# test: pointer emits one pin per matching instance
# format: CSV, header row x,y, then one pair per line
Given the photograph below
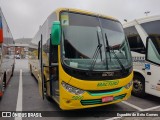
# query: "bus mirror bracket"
x,y
55,33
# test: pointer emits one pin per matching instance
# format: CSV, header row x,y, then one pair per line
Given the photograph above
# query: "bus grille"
x,y
99,101
105,92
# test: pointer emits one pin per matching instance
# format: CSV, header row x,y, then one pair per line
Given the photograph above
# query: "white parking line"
x,y
140,109
152,108
129,104
133,106
19,99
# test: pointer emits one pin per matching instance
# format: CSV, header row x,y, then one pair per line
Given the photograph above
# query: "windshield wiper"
x,y
96,53
120,63
108,49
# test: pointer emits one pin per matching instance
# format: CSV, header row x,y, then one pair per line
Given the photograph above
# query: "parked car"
x,y
18,57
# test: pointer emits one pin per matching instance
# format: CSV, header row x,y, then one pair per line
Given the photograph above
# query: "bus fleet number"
x,y
77,97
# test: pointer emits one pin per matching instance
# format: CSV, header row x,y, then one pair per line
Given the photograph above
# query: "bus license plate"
x,y
107,99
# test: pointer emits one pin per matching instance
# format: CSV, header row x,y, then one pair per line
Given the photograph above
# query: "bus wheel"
x,y
138,86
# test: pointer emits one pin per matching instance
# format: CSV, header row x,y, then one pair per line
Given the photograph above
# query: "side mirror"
x,y
55,33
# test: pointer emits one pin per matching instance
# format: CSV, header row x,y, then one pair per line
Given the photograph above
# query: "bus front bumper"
x,y
87,100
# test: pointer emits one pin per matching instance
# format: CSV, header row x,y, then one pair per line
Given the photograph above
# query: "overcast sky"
x,y
25,16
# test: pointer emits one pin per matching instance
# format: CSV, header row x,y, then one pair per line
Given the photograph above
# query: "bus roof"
x,y
83,12
141,20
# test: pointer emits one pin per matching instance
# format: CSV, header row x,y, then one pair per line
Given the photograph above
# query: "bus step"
x,y
57,94
57,90
57,98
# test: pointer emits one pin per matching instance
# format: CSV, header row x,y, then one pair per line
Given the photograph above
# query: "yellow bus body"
x,y
69,101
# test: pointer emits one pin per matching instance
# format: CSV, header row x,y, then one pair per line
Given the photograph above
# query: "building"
x,y
21,47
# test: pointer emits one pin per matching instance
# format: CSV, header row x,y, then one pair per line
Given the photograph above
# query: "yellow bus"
x,y
81,59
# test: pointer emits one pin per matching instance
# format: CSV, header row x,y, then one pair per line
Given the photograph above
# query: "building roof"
x,y
23,41
19,45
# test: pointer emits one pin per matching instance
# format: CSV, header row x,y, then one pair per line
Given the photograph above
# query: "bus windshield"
x,y
153,30
92,41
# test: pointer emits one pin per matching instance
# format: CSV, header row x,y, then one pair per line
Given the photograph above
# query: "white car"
x,y
18,57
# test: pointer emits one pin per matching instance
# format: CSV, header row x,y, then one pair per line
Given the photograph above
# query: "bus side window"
x,y
135,41
153,50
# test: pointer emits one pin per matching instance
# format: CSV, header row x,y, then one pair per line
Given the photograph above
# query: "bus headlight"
x,y
129,85
72,89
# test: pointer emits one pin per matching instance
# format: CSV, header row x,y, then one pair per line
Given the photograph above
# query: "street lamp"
x,y
147,12
125,20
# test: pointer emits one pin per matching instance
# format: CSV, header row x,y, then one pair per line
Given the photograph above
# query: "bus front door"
x,y
54,74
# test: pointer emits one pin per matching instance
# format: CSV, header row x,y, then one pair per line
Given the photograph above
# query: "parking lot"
x,y
22,95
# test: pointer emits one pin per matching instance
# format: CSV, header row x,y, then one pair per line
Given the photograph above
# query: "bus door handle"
x,y
148,73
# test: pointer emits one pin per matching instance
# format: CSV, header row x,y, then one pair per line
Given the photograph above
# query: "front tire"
x,y
138,86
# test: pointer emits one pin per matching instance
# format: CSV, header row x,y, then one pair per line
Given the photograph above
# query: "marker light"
x,y
72,89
